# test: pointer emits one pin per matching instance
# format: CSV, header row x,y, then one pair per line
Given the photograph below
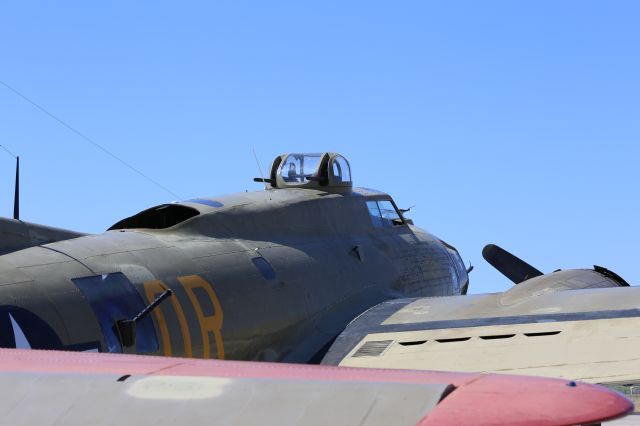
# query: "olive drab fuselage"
x,y
266,275
269,275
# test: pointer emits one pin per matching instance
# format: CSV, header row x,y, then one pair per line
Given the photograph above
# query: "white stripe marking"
x,y
21,340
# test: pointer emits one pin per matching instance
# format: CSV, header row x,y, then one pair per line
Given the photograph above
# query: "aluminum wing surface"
x,y
55,388
577,324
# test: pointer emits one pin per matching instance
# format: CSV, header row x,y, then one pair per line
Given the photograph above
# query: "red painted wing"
x,y
79,388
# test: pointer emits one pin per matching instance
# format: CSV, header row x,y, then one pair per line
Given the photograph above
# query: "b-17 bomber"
x,y
268,275
309,270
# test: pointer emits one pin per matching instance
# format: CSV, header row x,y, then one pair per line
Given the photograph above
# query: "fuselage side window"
x,y
113,297
383,214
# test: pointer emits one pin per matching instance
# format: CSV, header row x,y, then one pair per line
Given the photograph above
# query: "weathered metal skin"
x,y
320,263
63,388
580,324
17,235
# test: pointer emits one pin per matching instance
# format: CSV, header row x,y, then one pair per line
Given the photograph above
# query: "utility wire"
x,y
88,139
6,149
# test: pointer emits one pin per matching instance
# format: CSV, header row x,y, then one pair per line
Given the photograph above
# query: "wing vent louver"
x,y
413,343
373,348
497,336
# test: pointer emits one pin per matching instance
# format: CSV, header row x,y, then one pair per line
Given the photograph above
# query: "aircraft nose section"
x,y
504,399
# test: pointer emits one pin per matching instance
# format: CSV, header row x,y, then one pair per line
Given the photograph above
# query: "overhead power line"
x,y
9,152
88,139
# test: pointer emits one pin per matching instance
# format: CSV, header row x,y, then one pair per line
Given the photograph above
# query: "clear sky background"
x,y
507,122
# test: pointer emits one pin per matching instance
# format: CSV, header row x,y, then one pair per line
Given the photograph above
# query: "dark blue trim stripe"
x,y
210,203
516,319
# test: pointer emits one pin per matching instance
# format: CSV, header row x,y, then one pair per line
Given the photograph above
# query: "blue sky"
x,y
507,122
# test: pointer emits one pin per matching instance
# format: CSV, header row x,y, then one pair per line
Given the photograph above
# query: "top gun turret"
x,y
329,171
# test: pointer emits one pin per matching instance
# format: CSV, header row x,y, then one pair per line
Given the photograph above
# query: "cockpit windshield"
x,y
297,168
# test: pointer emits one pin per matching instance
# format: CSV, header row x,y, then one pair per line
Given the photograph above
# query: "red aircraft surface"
x,y
70,388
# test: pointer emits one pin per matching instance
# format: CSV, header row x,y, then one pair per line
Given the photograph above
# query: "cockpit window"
x,y
341,170
374,212
384,214
159,217
296,168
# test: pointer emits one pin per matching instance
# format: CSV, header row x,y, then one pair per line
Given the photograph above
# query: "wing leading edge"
x,y
49,387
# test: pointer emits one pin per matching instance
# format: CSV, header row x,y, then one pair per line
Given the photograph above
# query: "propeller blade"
x,y
509,265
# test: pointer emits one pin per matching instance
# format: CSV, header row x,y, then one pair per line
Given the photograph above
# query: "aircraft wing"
x,y
71,388
579,324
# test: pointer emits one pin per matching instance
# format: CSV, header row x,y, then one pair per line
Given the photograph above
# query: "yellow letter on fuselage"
x,y
152,289
212,323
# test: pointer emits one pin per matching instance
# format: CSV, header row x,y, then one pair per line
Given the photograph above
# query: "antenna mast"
x,y
259,168
16,198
